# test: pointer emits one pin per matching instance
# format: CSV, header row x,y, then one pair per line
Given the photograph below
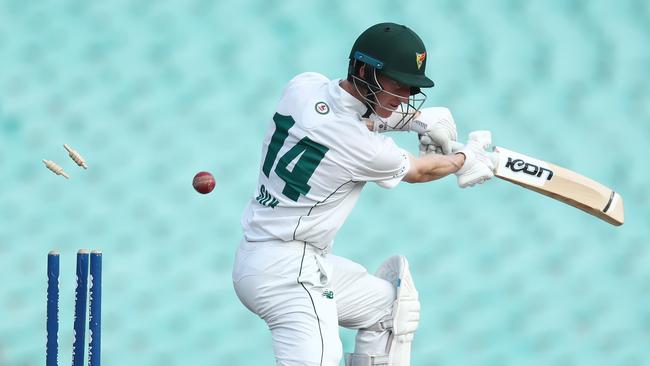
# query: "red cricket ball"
x,y
203,182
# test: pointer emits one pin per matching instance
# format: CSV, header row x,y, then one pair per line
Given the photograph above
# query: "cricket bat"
x,y
554,181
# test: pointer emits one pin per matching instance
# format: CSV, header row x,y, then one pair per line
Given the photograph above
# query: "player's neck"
x,y
348,87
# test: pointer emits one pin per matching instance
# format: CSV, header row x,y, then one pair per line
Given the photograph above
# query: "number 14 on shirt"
x,y
312,154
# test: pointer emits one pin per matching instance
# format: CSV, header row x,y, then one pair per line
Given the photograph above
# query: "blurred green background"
x,y
151,92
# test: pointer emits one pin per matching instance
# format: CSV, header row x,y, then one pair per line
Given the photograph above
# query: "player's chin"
x,y
385,112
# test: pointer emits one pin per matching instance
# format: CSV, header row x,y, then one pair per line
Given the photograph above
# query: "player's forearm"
x,y
433,166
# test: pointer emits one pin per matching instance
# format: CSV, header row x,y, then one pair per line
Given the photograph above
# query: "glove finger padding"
x,y
476,175
441,139
427,146
440,128
439,117
425,139
478,165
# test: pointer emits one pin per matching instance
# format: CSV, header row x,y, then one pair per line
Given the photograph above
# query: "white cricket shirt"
x,y
316,157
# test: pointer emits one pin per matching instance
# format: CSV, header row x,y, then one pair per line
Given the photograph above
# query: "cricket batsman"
x,y
323,144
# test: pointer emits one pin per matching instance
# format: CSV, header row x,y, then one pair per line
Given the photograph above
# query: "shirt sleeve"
x,y
387,166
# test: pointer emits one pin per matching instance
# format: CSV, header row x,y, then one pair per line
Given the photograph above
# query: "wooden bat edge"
x,y
614,215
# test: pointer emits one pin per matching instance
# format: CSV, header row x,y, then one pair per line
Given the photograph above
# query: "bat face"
x,y
561,184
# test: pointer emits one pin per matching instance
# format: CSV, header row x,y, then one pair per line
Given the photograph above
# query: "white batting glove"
x,y
479,163
439,130
484,138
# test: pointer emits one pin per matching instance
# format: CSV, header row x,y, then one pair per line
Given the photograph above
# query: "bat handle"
x,y
483,137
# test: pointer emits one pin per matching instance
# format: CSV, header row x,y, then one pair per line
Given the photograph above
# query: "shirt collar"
x,y
344,101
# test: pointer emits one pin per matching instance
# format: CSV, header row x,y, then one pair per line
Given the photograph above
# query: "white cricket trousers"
x,y
304,294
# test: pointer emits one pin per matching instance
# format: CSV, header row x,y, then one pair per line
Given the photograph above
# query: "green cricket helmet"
x,y
395,51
